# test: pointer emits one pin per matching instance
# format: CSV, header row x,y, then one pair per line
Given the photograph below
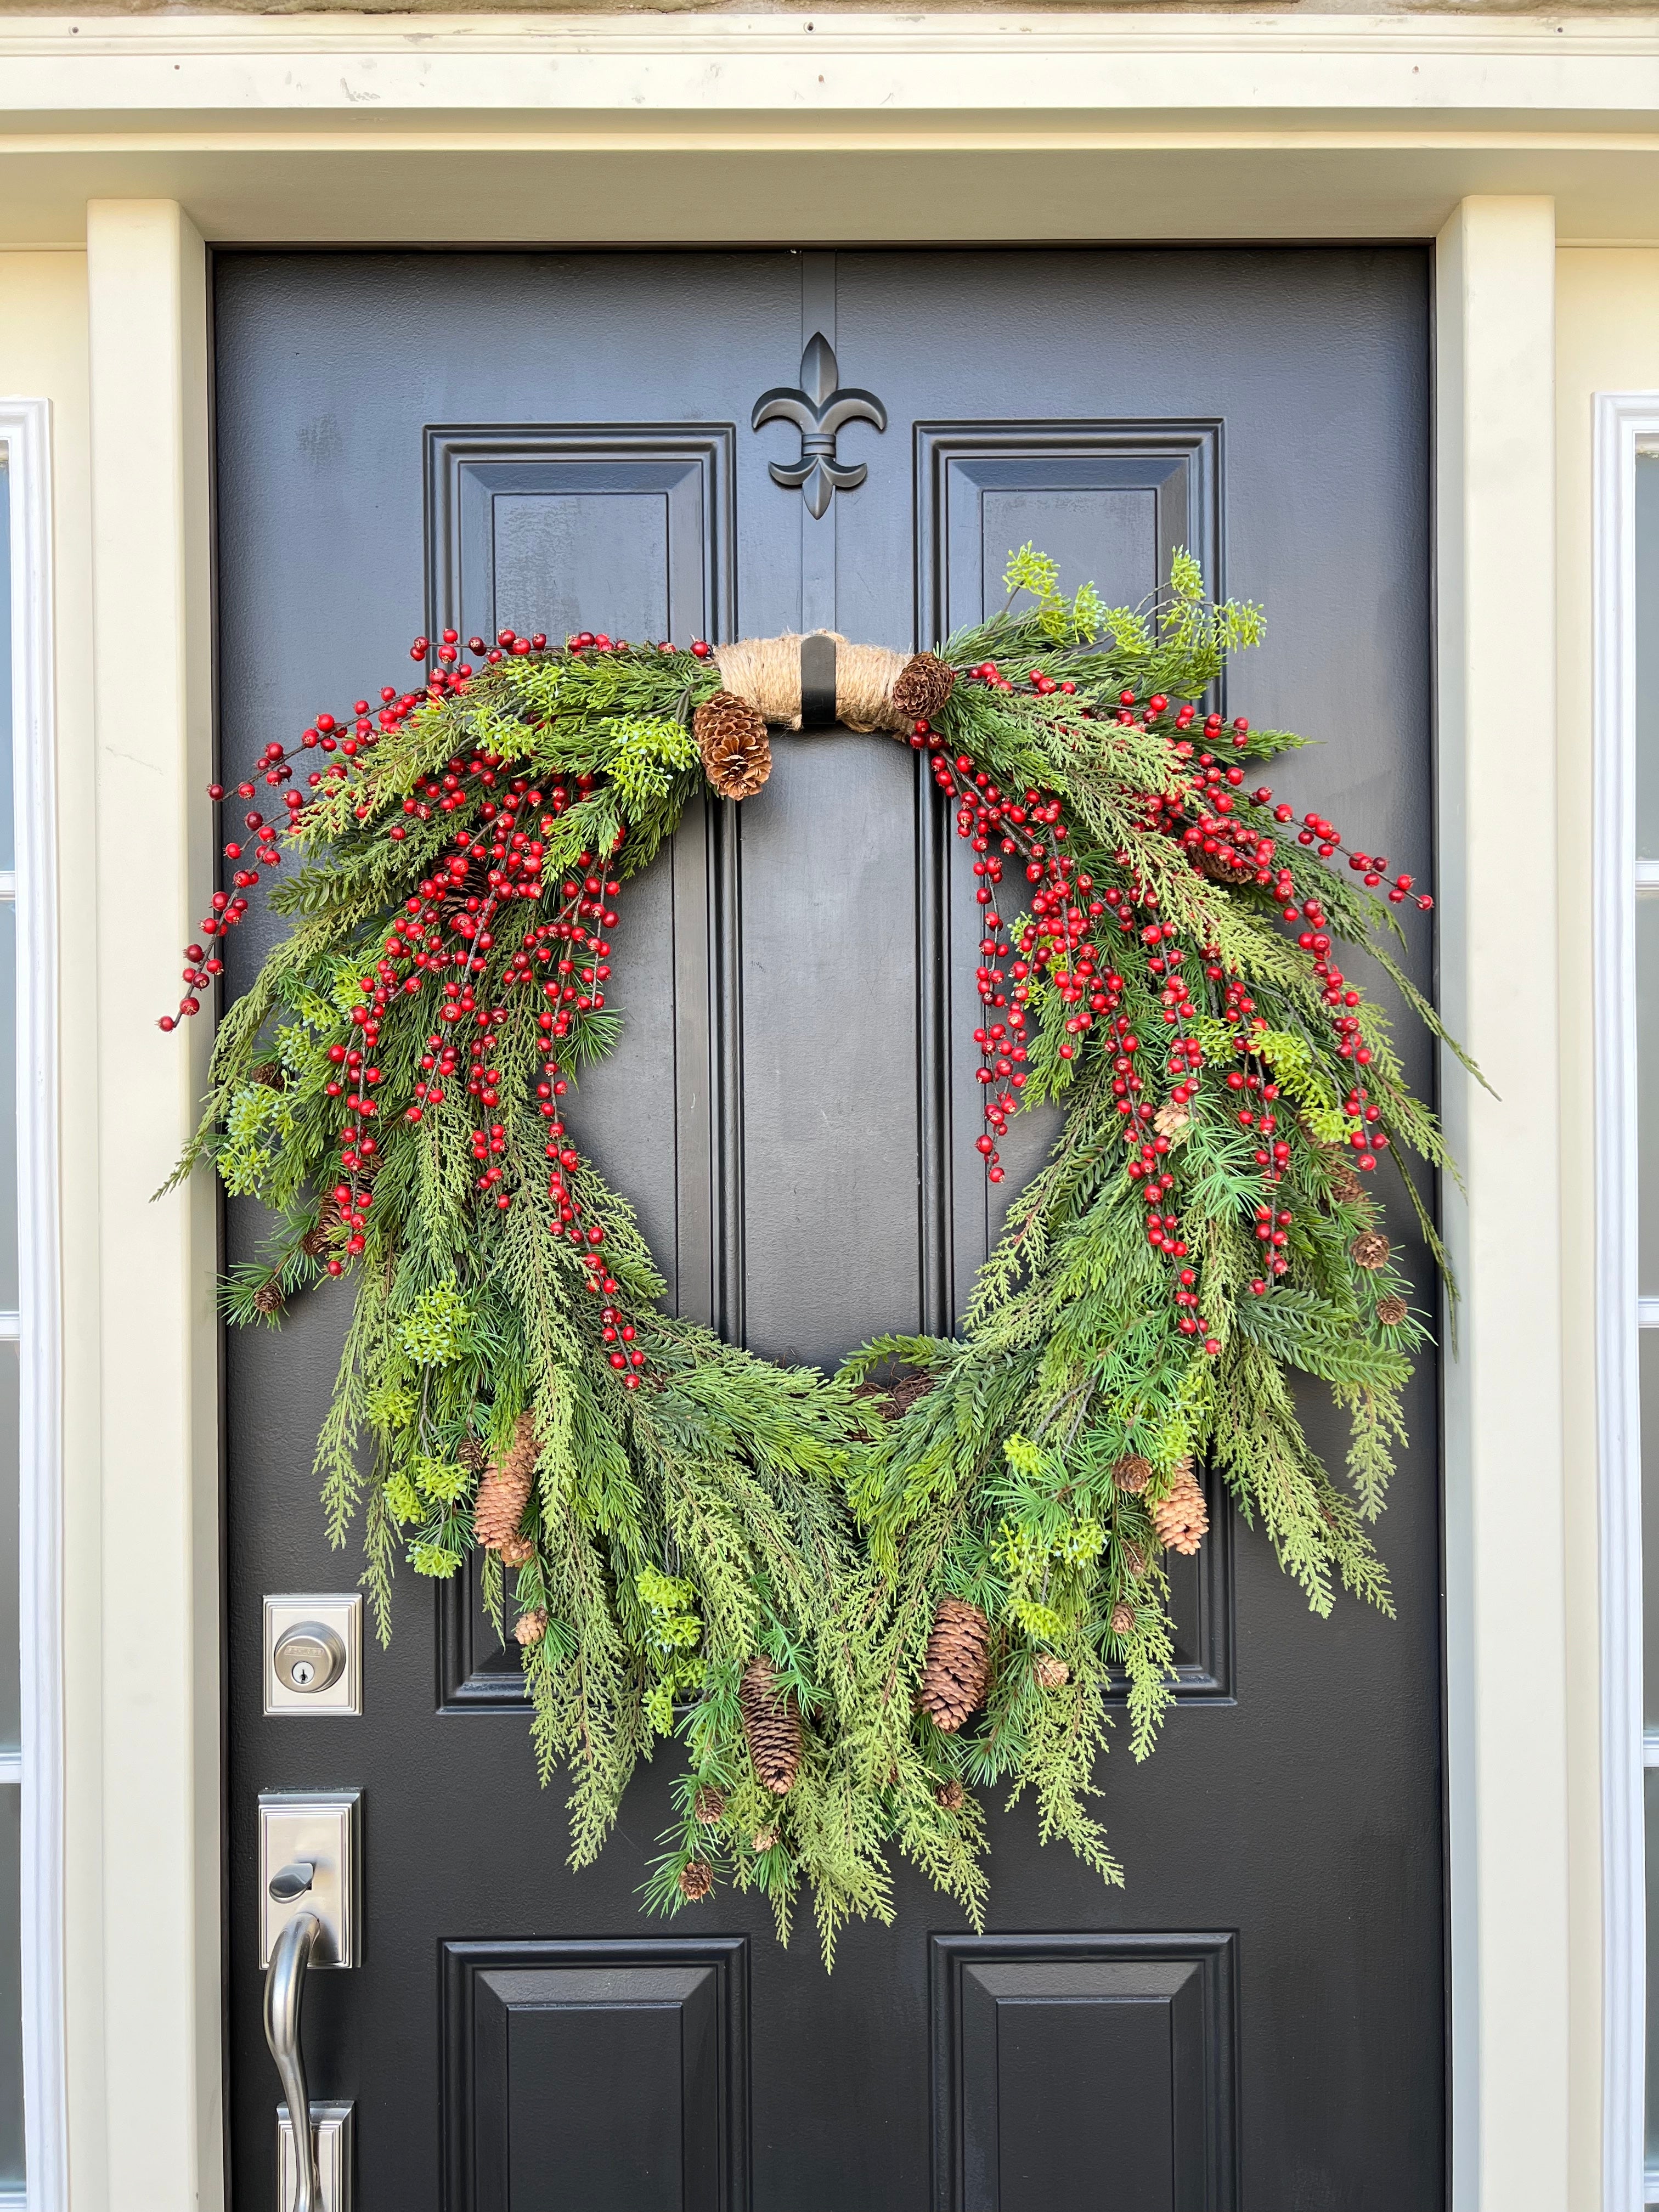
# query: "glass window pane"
x,y
1649,1341
1647,1093
1647,656
8,1107
7,850
11,1989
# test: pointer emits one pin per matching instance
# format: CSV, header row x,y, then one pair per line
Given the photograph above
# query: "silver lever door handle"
x,y
285,1985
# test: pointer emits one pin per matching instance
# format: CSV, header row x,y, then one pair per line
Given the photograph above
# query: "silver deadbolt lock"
x,y
309,1657
314,1653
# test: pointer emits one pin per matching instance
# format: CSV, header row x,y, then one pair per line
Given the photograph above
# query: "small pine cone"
x,y
1347,1189
957,1667
951,1795
1225,866
1391,1311
763,1839
505,1491
1172,1117
515,1551
1182,1518
1123,1617
269,1074
710,1805
1135,1560
1370,1250
737,752
922,686
696,1880
1051,1673
315,1240
893,1400
471,1455
530,1627
268,1298
771,1722
1132,1473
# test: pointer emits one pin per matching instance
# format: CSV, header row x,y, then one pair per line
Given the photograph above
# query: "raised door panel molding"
x,y
1129,2036
607,2075
626,527
559,527
1110,500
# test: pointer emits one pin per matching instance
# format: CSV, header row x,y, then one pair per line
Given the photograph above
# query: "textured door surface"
x,y
562,441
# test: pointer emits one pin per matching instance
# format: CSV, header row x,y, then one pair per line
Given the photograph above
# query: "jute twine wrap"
x,y
766,672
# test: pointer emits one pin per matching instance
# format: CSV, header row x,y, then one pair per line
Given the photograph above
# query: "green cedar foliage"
x,y
723,1505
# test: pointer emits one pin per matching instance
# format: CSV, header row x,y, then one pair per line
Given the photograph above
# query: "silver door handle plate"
x,y
331,2139
317,1829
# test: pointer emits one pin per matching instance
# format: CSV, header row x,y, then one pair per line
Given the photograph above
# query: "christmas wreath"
x,y
855,1598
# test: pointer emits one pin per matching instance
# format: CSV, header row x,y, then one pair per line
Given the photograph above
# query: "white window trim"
x,y
1622,419
25,434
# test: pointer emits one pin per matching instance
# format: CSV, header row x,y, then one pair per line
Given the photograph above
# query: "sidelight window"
x,y
31,2069
1627,1015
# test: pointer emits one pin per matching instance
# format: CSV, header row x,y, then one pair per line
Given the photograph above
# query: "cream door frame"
x,y
714,128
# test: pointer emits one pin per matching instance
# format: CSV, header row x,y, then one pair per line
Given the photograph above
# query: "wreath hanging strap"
x,y
857,1600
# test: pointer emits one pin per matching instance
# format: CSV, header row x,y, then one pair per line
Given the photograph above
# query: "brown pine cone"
x,y
269,1076
892,1401
709,1806
505,1492
530,1627
771,1722
922,686
951,1795
957,1667
471,1455
1182,1518
1225,866
1049,1672
1135,1560
696,1880
515,1551
737,752
1123,1619
1370,1250
1391,1311
1172,1117
1346,1186
1132,1473
268,1298
763,1839
315,1240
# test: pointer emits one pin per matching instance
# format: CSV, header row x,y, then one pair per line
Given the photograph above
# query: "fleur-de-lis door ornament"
x,y
818,408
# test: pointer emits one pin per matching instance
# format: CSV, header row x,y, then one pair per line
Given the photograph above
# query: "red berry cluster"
x,y
446,932
349,739
998,827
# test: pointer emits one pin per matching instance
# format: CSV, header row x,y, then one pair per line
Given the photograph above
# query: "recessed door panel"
x,y
1085,2070
584,2077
